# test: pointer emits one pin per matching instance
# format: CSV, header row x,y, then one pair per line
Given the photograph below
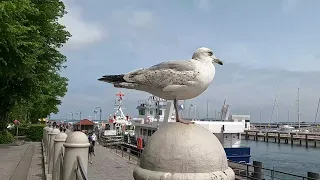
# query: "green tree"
x,y
30,61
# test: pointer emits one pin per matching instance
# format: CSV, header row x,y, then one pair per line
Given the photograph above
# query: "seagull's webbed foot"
x,y
184,121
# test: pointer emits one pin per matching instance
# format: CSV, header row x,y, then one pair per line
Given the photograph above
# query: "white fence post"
x,y
77,144
48,143
57,152
52,135
44,138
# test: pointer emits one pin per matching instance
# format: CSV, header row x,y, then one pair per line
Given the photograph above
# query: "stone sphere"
x,y
61,136
181,148
77,137
49,129
54,131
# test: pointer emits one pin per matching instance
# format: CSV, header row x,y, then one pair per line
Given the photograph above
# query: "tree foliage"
x,y
30,61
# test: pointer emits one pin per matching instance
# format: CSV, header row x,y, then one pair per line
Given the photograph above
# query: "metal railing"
x,y
242,171
128,153
254,172
61,163
80,172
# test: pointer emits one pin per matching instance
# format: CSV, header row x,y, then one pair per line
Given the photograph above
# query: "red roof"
x,y
85,122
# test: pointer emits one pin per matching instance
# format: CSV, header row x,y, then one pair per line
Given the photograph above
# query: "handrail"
x,y
247,171
242,170
80,172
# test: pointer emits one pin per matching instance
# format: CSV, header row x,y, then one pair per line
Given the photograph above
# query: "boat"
x,y
155,112
118,123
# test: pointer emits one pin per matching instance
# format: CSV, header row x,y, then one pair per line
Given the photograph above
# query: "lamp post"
x,y
100,111
71,115
79,112
66,116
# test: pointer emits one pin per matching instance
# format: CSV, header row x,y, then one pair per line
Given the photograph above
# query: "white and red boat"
x,y
119,123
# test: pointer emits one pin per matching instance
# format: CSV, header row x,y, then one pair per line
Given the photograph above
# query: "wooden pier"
x,y
307,139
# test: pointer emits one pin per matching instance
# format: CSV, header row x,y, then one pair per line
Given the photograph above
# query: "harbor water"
x,y
295,159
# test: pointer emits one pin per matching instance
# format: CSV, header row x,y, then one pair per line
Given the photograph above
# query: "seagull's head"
x,y
206,54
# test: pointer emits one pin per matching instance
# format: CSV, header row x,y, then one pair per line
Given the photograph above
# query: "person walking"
x,y
91,149
94,139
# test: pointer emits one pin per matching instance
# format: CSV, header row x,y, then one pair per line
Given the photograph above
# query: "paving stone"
x,y
109,166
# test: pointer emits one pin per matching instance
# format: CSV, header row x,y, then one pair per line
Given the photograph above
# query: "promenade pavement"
x,y
109,166
21,162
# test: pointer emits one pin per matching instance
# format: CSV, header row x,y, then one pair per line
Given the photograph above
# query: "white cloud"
x,y
141,19
289,5
83,32
202,4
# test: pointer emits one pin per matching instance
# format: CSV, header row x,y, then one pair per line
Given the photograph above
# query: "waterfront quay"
x,y
108,164
294,138
65,157
256,170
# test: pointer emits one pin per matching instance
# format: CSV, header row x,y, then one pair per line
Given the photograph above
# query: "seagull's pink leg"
x,y
178,119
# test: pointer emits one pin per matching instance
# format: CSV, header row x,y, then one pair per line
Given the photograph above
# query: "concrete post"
x,y
257,168
48,143
306,137
77,144
179,151
44,138
58,150
52,136
313,176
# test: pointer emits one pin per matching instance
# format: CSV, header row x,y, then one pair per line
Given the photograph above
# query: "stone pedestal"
x,y
58,150
44,138
52,136
77,144
48,142
178,151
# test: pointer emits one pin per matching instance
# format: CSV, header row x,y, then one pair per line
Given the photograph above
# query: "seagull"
x,y
172,80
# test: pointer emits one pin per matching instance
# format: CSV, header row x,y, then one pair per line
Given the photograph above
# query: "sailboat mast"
x,y
277,111
288,116
298,108
207,109
315,119
274,104
260,119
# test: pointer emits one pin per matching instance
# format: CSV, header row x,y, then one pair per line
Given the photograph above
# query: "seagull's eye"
x,y
210,53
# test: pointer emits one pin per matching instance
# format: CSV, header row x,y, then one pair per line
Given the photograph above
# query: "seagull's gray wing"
x,y
164,74
183,65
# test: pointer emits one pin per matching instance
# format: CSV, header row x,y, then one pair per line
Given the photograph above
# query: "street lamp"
x,y
79,112
71,115
100,110
66,116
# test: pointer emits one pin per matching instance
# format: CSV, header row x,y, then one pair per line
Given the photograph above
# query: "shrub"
x,y
6,137
35,132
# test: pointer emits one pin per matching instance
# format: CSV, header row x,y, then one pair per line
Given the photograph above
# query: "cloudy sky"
x,y
264,44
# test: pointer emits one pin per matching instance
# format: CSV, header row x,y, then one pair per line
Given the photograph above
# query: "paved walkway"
x,y
21,162
109,166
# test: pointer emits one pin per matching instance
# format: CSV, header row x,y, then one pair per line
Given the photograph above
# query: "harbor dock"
x,y
114,160
294,138
131,153
109,164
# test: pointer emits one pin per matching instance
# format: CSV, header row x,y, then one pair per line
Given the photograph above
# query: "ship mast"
x,y
118,105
